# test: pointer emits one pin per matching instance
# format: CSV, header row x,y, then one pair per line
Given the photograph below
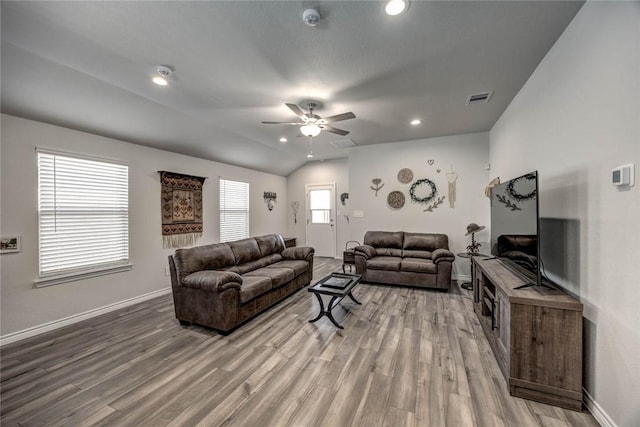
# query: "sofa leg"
x,y
184,322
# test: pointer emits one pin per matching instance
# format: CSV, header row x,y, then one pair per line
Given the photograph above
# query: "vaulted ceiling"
x,y
87,66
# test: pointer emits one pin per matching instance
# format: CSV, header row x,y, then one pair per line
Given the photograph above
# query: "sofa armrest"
x,y
298,252
213,280
365,251
441,255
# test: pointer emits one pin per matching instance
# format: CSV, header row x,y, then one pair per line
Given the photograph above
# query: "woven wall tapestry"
x,y
181,201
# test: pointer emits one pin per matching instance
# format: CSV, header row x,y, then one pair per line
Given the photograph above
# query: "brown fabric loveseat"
x,y
224,284
408,259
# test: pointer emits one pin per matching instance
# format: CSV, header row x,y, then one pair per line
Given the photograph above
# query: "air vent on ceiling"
x,y
479,98
343,143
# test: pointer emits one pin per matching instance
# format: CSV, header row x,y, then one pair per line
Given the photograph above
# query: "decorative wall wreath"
x,y
513,194
433,191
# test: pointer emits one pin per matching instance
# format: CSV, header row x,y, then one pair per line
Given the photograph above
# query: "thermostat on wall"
x,y
623,176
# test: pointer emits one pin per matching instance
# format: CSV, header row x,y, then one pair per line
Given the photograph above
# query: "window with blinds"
x,y
234,210
83,211
320,206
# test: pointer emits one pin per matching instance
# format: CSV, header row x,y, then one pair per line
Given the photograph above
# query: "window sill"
x,y
81,275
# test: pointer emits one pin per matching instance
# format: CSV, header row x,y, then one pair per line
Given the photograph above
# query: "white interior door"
x,y
321,214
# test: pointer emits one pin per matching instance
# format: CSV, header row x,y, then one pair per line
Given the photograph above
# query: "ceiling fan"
x,y
311,124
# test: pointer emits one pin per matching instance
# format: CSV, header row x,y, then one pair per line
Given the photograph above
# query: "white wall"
x,y
318,172
466,154
24,306
578,117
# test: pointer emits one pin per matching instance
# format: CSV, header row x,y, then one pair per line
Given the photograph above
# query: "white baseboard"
x,y
596,410
57,324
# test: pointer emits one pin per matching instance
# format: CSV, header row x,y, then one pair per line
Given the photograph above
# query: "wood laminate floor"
x,y
407,357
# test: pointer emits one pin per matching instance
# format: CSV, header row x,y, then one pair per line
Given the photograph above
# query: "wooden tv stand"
x,y
535,334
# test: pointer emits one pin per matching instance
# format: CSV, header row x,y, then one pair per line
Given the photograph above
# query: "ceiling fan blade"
x,y
297,111
340,117
282,123
335,130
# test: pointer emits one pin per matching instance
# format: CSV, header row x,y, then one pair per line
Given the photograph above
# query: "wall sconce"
x,y
270,199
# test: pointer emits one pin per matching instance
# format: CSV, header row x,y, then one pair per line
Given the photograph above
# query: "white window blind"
x,y
83,209
234,210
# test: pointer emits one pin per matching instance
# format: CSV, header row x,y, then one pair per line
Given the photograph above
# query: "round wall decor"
x,y
419,185
405,175
395,199
526,183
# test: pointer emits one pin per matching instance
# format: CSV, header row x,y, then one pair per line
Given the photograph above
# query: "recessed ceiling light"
x,y
160,81
395,7
416,122
283,139
164,73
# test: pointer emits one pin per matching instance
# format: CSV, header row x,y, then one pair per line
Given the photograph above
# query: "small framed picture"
x,y
10,244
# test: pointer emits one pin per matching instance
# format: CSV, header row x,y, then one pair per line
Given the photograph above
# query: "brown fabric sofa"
x,y
408,259
224,284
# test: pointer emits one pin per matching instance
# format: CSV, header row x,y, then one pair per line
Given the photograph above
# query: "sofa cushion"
x,y
258,263
384,263
418,265
425,241
245,250
298,266
209,257
384,239
278,276
250,266
408,253
270,244
253,286
271,259
389,252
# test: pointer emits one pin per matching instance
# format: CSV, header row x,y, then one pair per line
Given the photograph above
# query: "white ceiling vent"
x,y
479,98
343,143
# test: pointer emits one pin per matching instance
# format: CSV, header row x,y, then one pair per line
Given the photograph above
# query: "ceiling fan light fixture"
x,y
395,7
310,130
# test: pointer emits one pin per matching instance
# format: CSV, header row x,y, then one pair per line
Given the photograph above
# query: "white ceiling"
x,y
87,66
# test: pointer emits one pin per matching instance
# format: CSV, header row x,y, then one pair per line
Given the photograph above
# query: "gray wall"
x,y
466,154
578,117
319,172
23,306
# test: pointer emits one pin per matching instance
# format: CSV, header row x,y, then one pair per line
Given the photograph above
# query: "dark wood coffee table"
x,y
337,286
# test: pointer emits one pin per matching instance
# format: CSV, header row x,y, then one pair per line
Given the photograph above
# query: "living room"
x,y
574,120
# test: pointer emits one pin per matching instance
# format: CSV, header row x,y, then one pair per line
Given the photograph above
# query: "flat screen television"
x,y
515,227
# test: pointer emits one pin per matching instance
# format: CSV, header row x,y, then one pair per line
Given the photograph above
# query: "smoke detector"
x,y
311,17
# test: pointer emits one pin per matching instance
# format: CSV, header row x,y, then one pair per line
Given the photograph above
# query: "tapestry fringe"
x,y
180,240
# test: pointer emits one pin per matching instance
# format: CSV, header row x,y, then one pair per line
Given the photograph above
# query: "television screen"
x,y
515,227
